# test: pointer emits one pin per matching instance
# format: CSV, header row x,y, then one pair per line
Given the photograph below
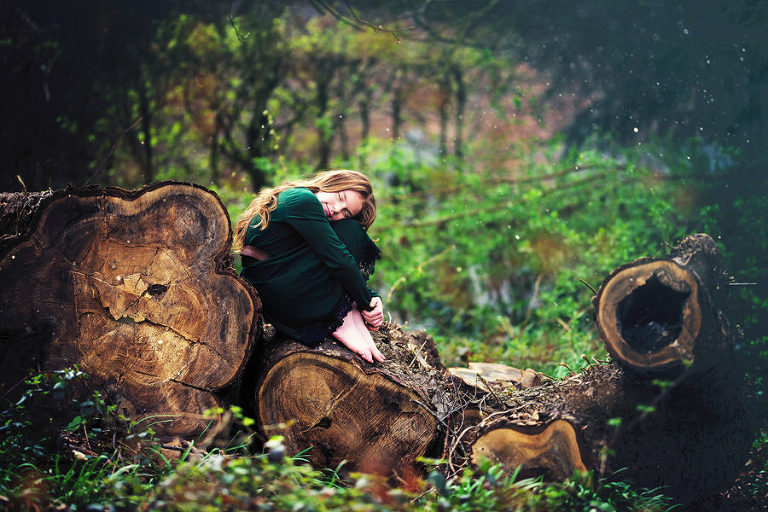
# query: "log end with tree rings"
x,y
552,451
340,412
136,288
649,314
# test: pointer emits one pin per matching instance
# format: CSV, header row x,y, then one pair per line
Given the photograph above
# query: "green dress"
x,y
315,271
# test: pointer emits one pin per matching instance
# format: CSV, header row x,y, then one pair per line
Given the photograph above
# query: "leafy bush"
x,y
52,448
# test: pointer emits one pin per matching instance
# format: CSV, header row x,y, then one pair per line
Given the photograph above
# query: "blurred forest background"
x,y
520,151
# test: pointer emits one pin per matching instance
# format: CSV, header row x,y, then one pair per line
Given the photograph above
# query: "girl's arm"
x,y
305,214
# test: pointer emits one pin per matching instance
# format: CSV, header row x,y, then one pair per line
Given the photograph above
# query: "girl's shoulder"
x,y
298,202
297,195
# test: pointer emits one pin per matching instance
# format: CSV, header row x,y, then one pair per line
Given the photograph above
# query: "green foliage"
x,y
264,482
32,467
30,423
36,476
500,261
59,446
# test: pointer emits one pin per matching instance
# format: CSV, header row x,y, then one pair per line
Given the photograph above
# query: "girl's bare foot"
x,y
354,335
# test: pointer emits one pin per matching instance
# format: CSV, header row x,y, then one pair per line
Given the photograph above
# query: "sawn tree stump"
x,y
134,287
137,289
377,417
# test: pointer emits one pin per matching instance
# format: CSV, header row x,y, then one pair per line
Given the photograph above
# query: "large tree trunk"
x,y
134,287
669,410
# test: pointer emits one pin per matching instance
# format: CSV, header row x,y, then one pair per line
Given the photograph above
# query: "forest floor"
x,y
749,492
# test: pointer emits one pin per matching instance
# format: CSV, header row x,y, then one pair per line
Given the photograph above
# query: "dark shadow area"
x,y
651,317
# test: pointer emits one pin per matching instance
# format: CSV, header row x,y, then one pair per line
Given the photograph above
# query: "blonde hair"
x,y
328,181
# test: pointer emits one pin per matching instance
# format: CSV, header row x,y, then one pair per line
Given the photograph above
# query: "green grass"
x,y
47,470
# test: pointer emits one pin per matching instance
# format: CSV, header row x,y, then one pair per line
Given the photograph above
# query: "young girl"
x,y
305,249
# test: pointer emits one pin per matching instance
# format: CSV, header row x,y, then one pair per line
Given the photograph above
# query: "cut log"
x,y
134,287
496,375
532,427
658,314
137,289
669,410
648,314
551,451
378,417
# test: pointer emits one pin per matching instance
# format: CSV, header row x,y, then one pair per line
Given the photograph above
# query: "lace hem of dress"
x,y
340,311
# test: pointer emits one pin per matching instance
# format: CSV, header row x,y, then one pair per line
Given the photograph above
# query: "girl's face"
x,y
341,205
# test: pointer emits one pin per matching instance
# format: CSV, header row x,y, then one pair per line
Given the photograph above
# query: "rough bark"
x,y
134,287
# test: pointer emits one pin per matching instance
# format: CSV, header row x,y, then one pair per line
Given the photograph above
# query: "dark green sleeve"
x,y
360,245
305,214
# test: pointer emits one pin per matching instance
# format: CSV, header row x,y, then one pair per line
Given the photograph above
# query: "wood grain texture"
x,y
552,451
137,289
378,417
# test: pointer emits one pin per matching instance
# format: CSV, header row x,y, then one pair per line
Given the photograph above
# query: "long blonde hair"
x,y
328,181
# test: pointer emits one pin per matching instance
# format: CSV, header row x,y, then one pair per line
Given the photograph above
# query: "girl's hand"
x,y
375,317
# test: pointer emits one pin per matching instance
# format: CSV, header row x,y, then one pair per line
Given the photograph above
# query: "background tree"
x,y
64,67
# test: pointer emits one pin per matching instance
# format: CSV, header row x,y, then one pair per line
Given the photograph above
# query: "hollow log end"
x,y
552,452
649,314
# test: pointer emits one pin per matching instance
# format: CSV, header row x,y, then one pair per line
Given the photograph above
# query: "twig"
x,y
434,414
355,21
585,284
7,391
490,389
112,150
85,433
241,38
564,325
456,442
417,356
